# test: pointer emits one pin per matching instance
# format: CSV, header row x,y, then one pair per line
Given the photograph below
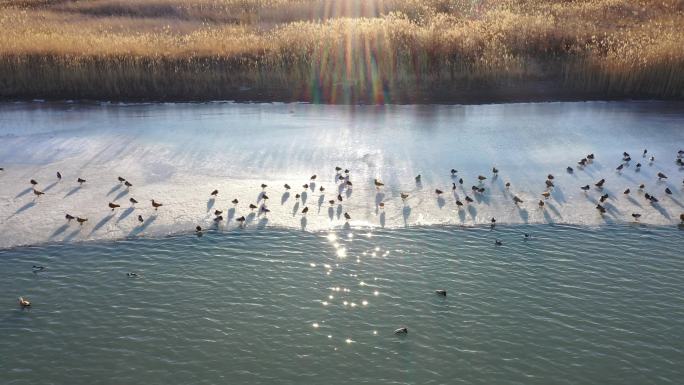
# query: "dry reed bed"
x,y
337,51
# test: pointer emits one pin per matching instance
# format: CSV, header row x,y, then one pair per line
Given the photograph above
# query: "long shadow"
x,y
231,214
554,209
121,195
339,211
210,203
547,217
143,226
263,222
558,195
419,185
634,201
661,210
24,208
113,189
331,213
675,200
73,234
61,229
72,191
250,218
472,211
382,219
312,186
304,196
303,223
295,209
379,196
524,215
50,186
348,192
440,202
24,192
284,198
125,213
611,208
321,199
461,215
406,213
102,222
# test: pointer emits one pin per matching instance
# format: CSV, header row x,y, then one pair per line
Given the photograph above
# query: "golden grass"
x,y
339,50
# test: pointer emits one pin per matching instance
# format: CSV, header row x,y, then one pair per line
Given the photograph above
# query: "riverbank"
x,y
342,52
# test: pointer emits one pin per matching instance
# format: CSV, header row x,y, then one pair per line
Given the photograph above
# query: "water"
x,y
572,305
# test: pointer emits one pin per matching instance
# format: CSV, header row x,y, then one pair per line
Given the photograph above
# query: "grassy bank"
x,y
341,51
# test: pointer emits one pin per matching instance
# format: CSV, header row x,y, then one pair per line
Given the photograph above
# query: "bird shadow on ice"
x,y
59,231
312,186
348,192
472,211
139,229
101,223
677,202
379,196
461,215
634,201
320,202
50,186
547,217
339,211
303,223
419,185
661,210
553,208
524,215
250,218
558,196
23,208
440,202
382,219
611,208
295,208
331,213
113,189
284,198
304,196
124,214
231,214
121,195
72,234
24,192
262,223
210,203
72,191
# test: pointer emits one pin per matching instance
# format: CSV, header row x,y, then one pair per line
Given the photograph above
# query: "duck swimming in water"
x,y
23,302
441,292
401,331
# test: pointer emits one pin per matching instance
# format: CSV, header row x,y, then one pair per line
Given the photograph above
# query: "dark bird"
x,y
313,177
218,218
569,170
234,201
582,162
113,206
662,176
668,191
69,217
347,216
265,210
33,182
600,183
495,170
508,184
37,268
653,199
549,177
297,196
626,192
156,205
214,193
546,194
652,159
381,205
417,178
619,168
348,183
474,188
404,196
140,219
641,186
498,242
321,189
585,188
601,209
625,154
469,199
459,203
218,212
517,200
128,184
305,185
453,186
481,178
377,183
264,197
541,203
549,183
647,196
590,156
636,216
80,180
81,220
287,186
198,228
638,165
132,200
241,219
493,220
453,171
338,169
346,171
681,217
332,202
59,175
645,151
626,159
252,206
305,210
438,191
603,198
339,197
401,331
121,179
441,292
2,169
37,193
263,186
